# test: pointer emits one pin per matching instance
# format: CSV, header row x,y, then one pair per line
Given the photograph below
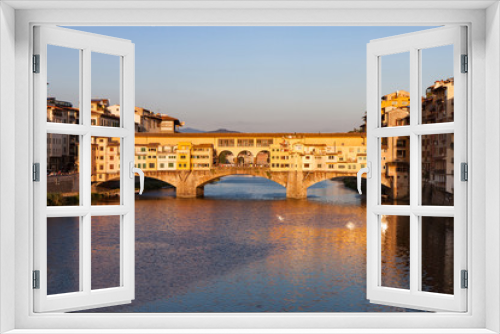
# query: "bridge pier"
x,y
185,190
295,188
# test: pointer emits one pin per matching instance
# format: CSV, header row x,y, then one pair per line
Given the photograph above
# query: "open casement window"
x,y
416,148
69,139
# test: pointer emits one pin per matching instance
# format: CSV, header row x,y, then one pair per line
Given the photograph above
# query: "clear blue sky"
x,y
251,79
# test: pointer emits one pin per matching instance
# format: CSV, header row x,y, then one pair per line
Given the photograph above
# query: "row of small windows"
x,y
245,142
55,141
105,122
329,166
111,166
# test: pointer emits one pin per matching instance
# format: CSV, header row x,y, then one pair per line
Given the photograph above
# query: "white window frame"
x,y
484,49
86,44
412,44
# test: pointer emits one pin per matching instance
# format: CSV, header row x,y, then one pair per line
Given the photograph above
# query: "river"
x,y
244,247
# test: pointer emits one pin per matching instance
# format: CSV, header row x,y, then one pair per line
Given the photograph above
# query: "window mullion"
x,y
85,111
85,253
86,171
415,255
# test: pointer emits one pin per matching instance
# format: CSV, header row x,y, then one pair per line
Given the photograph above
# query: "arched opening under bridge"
x,y
262,159
226,158
245,159
241,186
150,183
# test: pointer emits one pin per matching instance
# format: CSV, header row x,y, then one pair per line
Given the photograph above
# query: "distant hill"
x,y
223,131
192,130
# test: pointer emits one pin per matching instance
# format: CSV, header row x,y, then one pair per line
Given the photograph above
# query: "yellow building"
x,y
285,152
184,156
339,154
141,153
398,100
202,156
167,158
151,160
105,158
101,116
280,156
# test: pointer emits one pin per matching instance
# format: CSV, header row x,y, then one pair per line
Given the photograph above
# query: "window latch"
x,y
139,171
368,171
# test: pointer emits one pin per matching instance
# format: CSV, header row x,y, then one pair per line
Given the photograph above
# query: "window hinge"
x,y
465,279
36,172
464,171
36,279
36,63
465,64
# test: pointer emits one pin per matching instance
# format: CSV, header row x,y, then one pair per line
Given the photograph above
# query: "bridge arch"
x,y
225,157
190,183
264,176
385,183
99,184
263,158
245,158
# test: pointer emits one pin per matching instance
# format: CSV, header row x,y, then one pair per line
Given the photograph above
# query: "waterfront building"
x,y
395,151
298,153
202,156
147,121
331,160
167,157
438,103
400,99
169,124
141,153
61,149
184,156
105,159
361,159
280,156
395,166
438,150
61,111
151,158
101,116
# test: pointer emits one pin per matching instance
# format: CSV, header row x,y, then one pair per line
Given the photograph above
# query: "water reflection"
x,y
395,247
246,248
63,259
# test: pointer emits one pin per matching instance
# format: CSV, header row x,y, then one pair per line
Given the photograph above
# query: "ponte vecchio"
x,y
296,161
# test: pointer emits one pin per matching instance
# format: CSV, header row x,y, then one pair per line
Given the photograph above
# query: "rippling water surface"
x,y
246,248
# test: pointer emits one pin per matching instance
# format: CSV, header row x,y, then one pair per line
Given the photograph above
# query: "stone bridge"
x,y
190,183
